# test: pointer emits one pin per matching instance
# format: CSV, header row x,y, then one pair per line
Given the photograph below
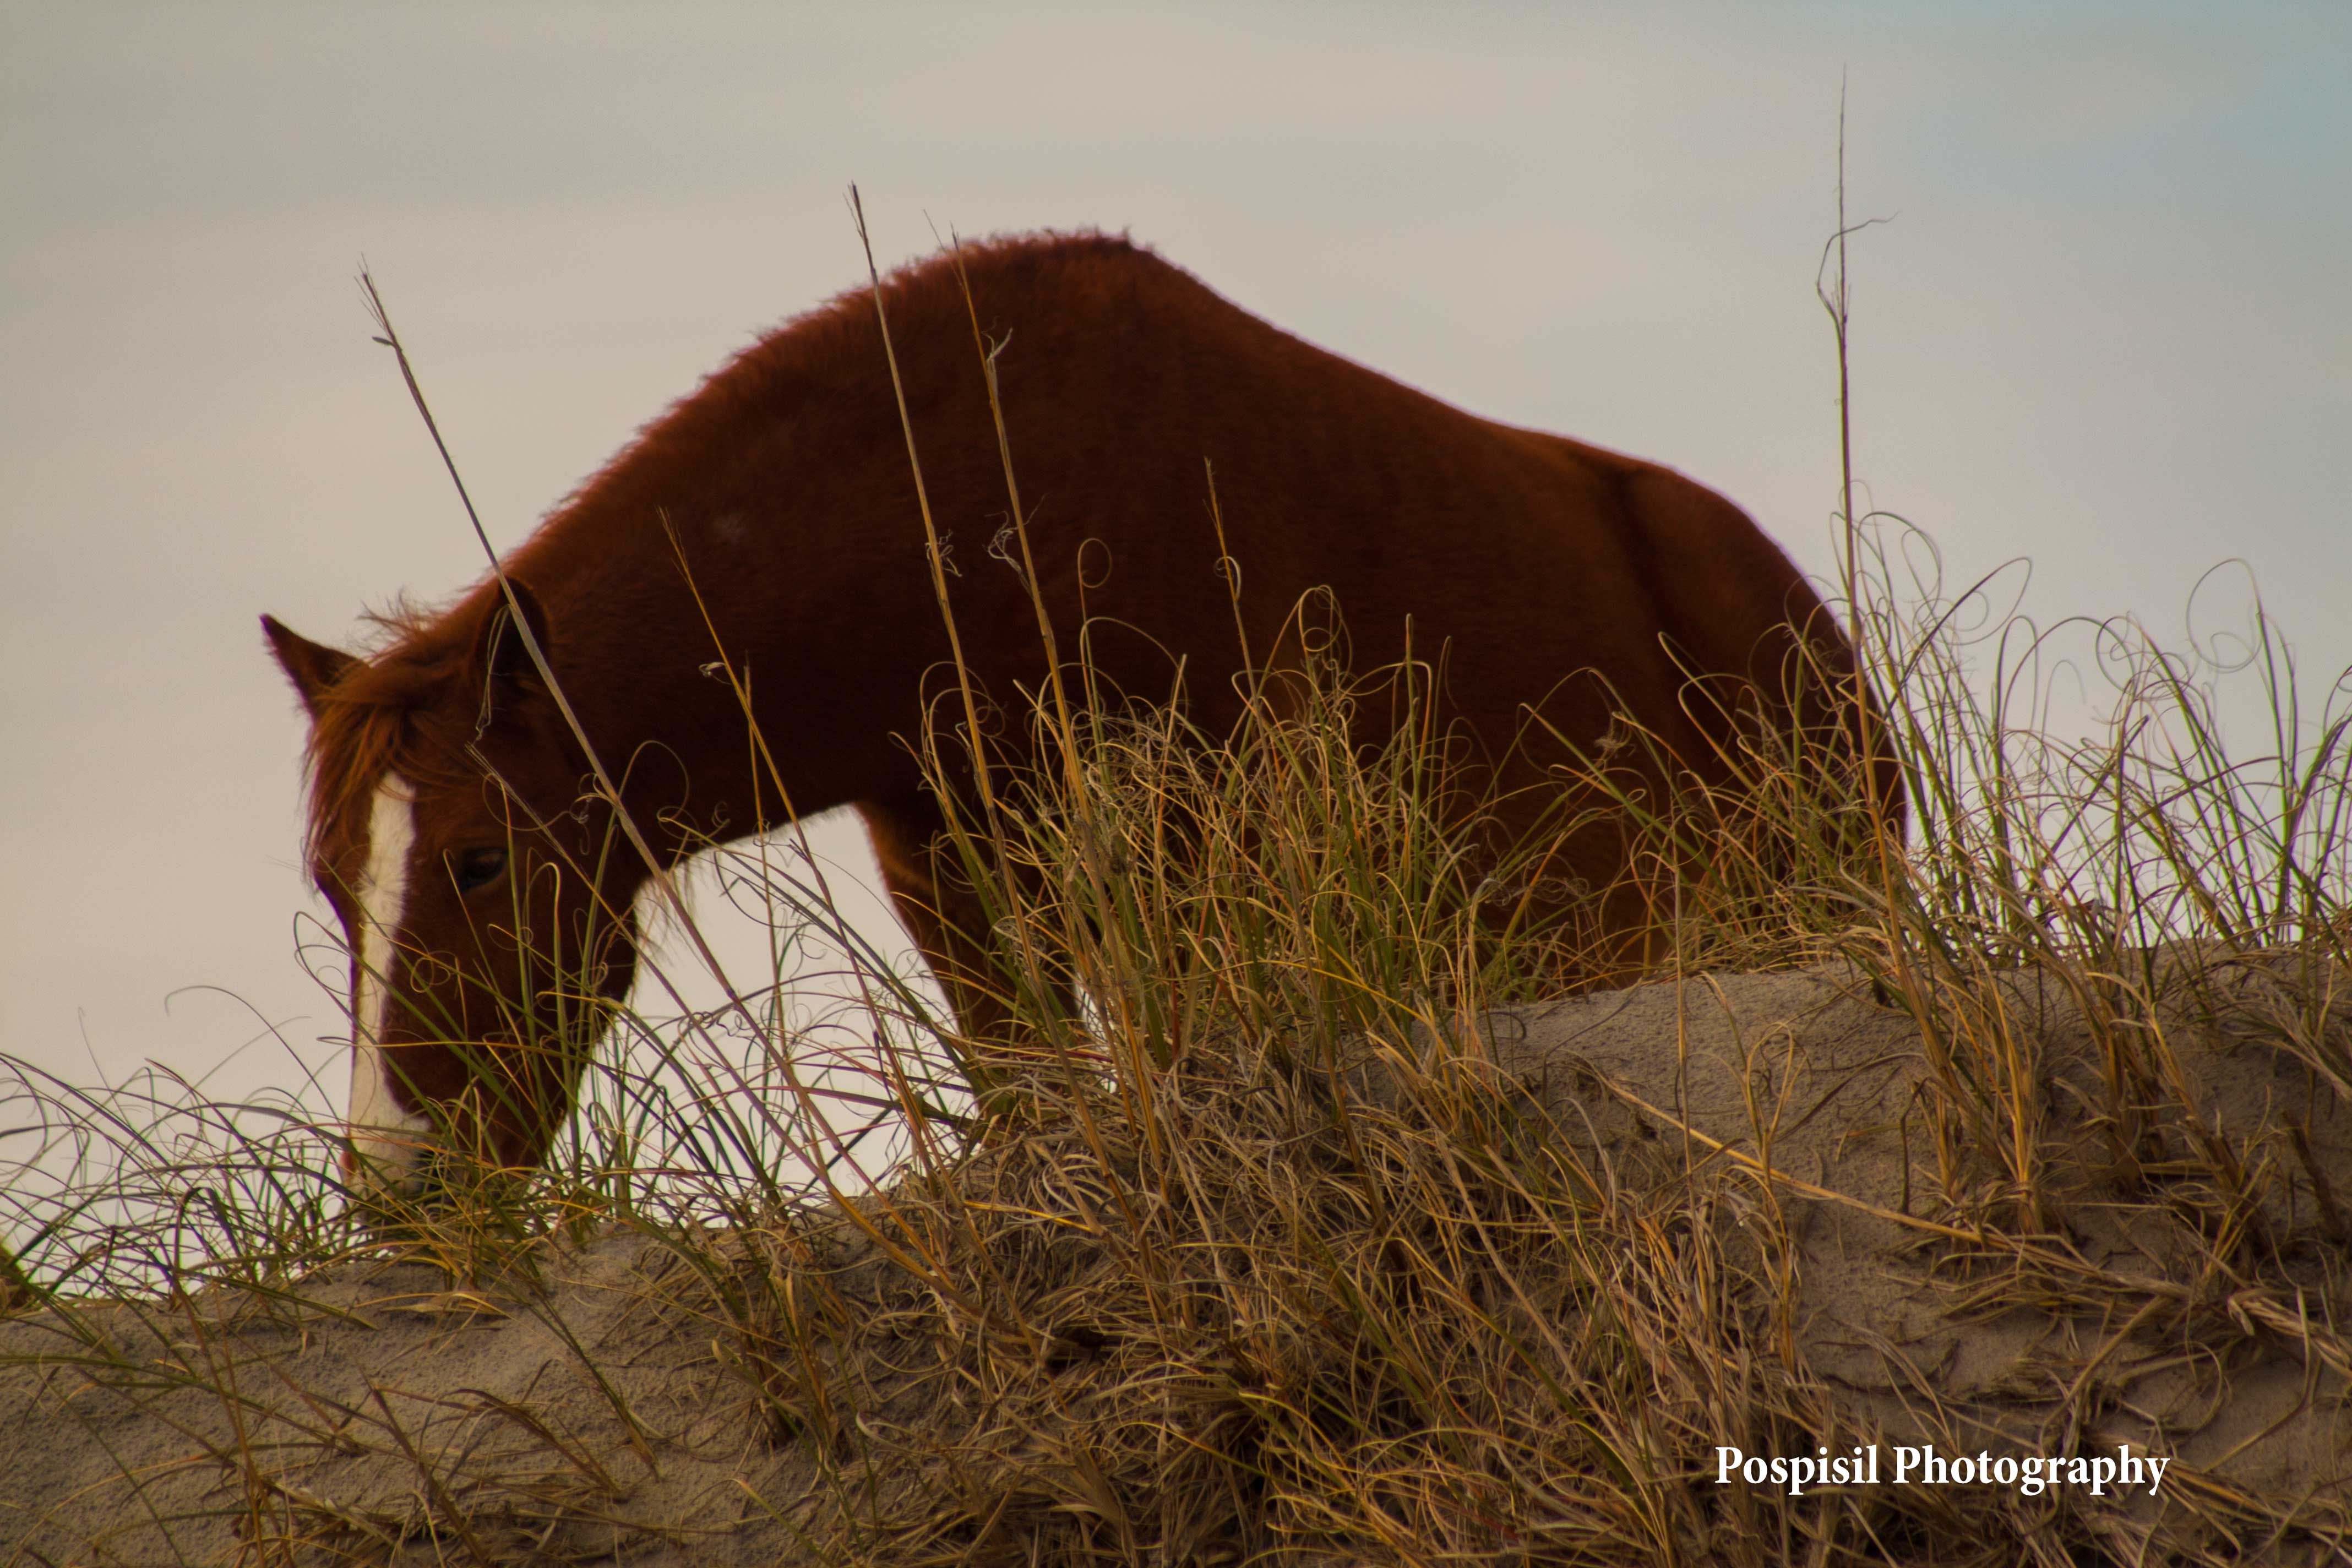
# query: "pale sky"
x,y
2109,327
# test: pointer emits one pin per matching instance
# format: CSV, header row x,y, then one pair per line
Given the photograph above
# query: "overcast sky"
x,y
2109,327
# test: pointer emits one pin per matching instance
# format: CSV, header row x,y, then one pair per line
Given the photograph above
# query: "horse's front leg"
x,y
949,923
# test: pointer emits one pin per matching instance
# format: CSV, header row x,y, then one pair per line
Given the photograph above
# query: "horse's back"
x,y
1545,571
1136,399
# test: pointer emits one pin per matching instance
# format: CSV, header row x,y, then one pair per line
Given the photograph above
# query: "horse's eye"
x,y
477,867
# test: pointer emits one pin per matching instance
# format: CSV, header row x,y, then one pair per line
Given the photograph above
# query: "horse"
x,y
771,522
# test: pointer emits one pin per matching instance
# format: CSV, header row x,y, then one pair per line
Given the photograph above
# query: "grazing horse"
x,y
772,517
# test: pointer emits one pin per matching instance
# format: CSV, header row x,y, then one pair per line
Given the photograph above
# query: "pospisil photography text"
x,y
2030,1474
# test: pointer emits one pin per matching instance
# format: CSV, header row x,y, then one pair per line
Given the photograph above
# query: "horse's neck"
x,y
682,630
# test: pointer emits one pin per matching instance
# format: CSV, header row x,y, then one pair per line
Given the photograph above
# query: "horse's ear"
x,y
313,668
501,655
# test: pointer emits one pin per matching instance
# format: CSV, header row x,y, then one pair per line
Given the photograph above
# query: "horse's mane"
x,y
834,343
360,728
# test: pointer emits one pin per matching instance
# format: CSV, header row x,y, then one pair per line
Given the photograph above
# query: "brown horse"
x,y
773,516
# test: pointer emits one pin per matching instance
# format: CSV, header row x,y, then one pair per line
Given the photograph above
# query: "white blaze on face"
x,y
382,1131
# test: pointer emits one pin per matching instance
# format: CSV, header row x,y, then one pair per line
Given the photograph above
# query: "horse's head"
x,y
485,904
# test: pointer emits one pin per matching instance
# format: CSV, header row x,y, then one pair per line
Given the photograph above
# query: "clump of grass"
x,y
1268,1257
1264,1255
